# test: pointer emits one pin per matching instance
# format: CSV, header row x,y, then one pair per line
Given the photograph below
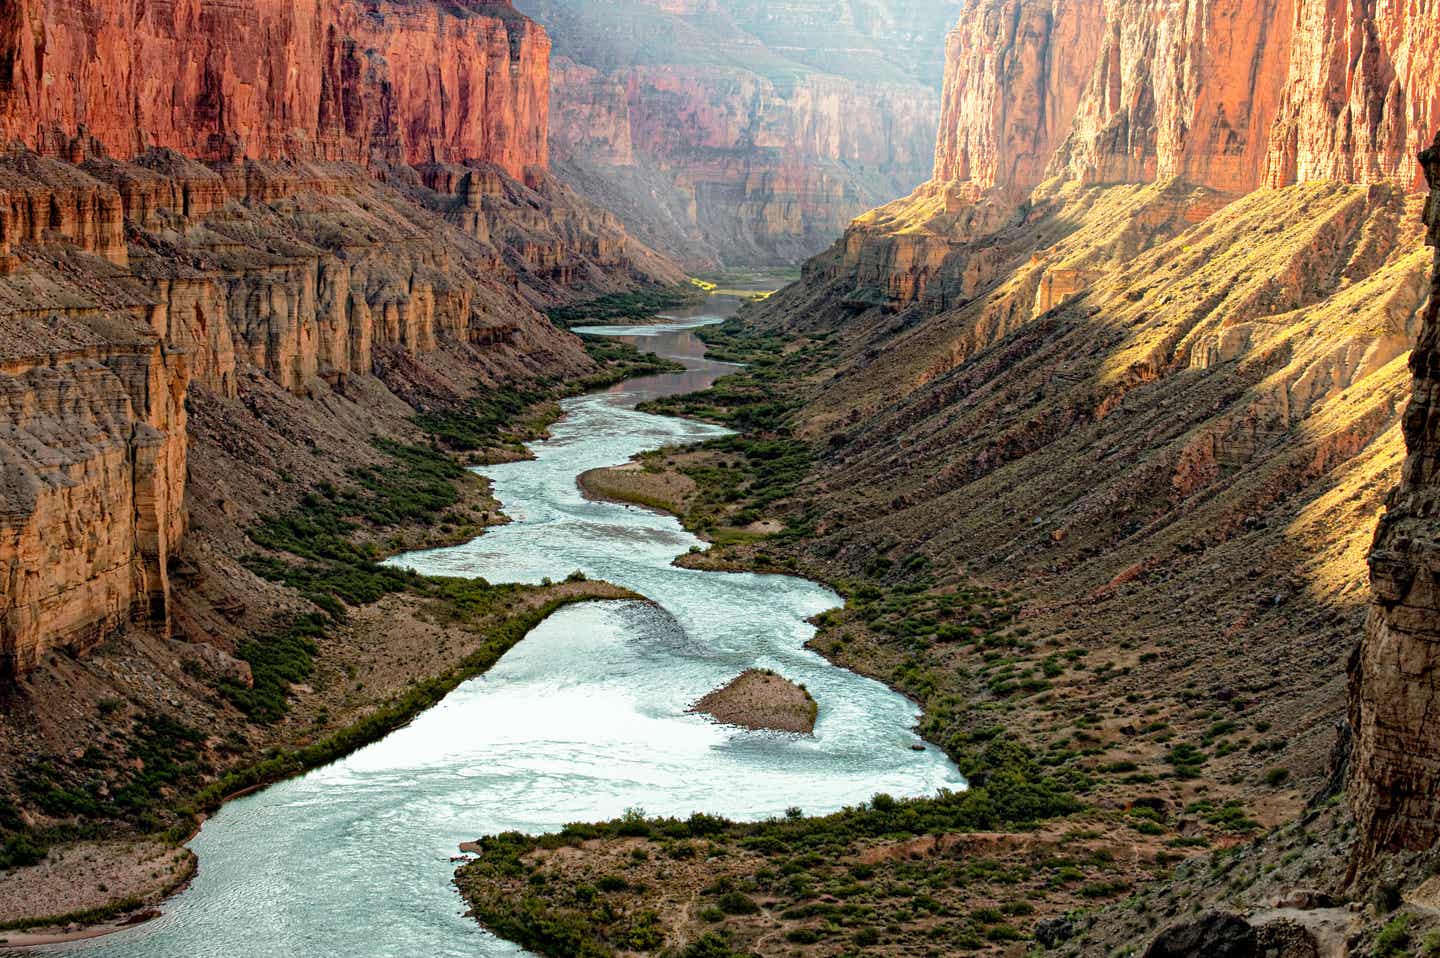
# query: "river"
x,y
580,721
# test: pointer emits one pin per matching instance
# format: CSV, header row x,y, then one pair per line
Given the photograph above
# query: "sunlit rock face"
x,y
744,133
1141,343
399,82
1394,786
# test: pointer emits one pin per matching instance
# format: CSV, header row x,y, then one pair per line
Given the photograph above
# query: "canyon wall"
x,y
388,82
200,195
1226,93
1394,787
746,133
126,286
1138,350
92,482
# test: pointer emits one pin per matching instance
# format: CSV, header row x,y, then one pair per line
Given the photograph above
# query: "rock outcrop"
x,y
743,133
1394,785
387,82
92,480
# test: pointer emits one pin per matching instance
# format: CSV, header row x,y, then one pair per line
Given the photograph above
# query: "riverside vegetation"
x,y
1068,807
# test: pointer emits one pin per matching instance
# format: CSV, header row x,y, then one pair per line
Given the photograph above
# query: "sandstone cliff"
x,y
744,133
1226,93
1394,782
93,480
389,82
319,192
126,287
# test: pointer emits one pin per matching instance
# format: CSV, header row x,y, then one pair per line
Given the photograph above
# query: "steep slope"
x,y
744,133
131,270
1145,381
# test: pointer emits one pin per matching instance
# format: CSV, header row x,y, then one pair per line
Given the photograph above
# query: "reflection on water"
x,y
583,719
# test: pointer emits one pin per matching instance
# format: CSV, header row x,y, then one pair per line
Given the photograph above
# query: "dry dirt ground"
x,y
761,699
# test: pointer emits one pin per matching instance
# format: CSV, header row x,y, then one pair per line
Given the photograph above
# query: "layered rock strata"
x,y
92,480
1226,95
388,82
1140,351
126,284
1394,786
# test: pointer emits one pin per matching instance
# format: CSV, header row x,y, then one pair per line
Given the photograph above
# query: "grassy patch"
x,y
626,307
797,865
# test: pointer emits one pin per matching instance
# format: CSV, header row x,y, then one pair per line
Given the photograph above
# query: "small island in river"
x,y
760,699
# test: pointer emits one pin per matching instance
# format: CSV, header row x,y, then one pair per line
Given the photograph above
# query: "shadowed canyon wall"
x,y
1395,777
321,192
744,133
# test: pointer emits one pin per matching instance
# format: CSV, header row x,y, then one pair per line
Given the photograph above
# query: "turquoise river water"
x,y
583,719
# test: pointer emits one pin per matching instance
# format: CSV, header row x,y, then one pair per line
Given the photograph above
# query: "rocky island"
x,y
761,700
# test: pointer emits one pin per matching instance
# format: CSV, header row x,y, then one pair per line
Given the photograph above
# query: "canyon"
x,y
1141,357
1092,429
743,134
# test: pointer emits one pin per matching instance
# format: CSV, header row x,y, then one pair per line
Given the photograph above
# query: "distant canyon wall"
x,y
1229,94
743,133
393,82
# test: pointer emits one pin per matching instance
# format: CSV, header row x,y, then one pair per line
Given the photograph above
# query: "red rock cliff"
x,y
744,132
1230,94
395,81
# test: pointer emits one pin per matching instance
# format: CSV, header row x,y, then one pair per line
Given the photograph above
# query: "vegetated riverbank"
x,y
353,650
1069,808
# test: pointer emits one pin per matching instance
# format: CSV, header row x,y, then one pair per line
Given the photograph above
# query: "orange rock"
x,y
390,82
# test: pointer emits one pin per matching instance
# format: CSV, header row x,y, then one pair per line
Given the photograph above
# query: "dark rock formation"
x,y
1213,935
1394,787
